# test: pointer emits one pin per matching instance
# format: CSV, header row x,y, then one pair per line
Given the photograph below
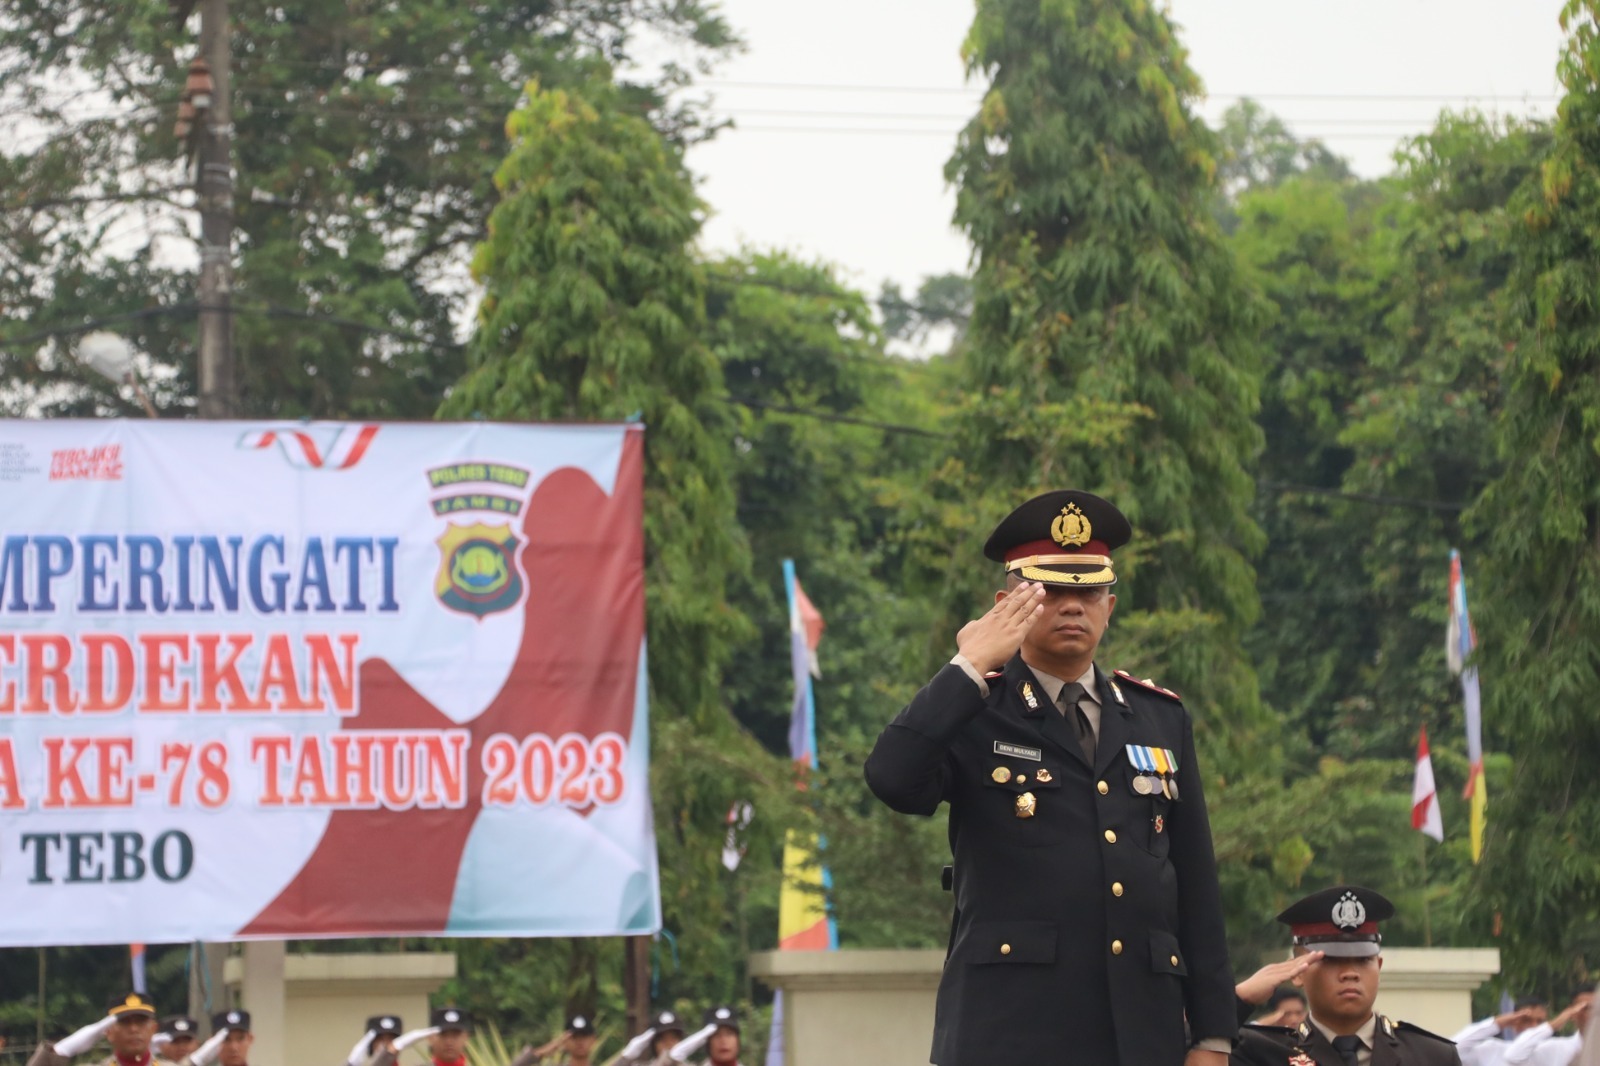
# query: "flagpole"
x,y
1427,920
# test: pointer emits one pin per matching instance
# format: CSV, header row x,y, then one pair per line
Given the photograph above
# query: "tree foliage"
x,y
365,139
1101,289
1540,635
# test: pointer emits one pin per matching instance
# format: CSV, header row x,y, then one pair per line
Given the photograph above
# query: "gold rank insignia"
x,y
1071,529
1026,805
1160,823
1302,1059
1028,697
1001,774
1044,777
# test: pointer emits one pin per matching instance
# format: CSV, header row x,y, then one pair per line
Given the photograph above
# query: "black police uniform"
x,y
1086,931
1393,1044
1341,922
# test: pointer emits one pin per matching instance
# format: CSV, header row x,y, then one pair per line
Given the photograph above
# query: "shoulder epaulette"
x,y
1148,684
1407,1027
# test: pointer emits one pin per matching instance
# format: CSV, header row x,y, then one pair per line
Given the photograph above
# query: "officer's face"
x,y
1342,989
1071,626
178,1047
724,1046
383,1042
130,1037
581,1045
236,1048
1294,1012
666,1041
449,1045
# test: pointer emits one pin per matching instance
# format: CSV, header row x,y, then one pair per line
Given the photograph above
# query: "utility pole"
x,y
219,396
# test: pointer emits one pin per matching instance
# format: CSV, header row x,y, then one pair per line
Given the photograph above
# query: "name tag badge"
x,y
1017,751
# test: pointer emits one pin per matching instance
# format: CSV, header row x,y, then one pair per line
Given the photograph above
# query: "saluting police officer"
x,y
128,1026
1088,921
1342,1029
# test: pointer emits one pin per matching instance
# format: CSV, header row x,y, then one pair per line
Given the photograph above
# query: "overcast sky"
x,y
846,110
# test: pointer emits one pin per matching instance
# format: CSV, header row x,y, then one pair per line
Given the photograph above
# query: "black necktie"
x,y
1347,1046
1070,695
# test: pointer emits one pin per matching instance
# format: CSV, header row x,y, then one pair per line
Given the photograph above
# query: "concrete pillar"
x,y
262,993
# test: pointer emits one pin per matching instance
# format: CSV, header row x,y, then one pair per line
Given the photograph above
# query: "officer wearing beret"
x,y
576,1041
1342,1029
128,1026
1088,922
235,1050
377,1036
447,1032
178,1038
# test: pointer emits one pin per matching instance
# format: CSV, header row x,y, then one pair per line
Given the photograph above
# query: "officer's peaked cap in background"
x,y
580,1025
1339,921
180,1026
231,1019
667,1021
385,1025
131,1005
1062,538
446,1018
723,1015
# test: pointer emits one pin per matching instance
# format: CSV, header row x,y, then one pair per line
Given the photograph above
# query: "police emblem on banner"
x,y
478,572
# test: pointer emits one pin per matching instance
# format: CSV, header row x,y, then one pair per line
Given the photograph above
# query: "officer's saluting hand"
x,y
1088,922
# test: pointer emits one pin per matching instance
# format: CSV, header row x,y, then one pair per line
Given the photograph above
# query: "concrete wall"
x,y
875,1008
307,1010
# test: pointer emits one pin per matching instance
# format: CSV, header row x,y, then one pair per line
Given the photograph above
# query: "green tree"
x,y
1259,151
366,136
1539,590
594,309
1103,291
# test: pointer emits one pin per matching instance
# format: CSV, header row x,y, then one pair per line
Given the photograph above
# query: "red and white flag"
x,y
1424,798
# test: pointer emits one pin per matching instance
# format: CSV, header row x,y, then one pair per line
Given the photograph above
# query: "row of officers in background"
x,y
137,1038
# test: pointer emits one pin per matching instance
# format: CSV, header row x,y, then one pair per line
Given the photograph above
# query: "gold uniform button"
x,y
1111,836
1116,888
1005,949
1116,947
1174,960
1022,779
1102,788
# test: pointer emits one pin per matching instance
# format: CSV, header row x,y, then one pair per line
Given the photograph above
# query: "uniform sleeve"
x,y
1208,991
527,1057
1520,1051
1477,1033
1253,1047
46,1055
910,765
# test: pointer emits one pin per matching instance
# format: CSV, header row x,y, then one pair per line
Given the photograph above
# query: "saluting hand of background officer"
x,y
988,643
1259,986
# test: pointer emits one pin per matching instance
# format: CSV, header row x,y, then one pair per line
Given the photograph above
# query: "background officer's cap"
x,y
668,1021
1061,538
580,1025
238,1020
724,1016
1340,921
385,1025
447,1018
179,1026
131,1005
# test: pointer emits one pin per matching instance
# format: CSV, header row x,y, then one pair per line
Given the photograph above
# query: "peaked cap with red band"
x,y
1340,921
1061,538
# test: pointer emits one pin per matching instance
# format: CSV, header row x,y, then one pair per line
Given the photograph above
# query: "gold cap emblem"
x,y
1071,529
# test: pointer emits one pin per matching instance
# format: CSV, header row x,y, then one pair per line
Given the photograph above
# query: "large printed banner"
x,y
322,679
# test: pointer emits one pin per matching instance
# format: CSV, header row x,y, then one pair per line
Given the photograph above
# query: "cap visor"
x,y
1067,577
1346,949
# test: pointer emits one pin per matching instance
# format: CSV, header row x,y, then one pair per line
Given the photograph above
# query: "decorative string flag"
x,y
1460,641
1424,798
